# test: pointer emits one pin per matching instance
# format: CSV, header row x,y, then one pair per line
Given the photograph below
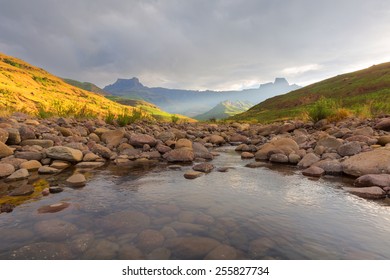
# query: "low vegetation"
x,y
364,93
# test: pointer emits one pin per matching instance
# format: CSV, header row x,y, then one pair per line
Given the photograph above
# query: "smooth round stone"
x,y
129,252
247,155
80,243
59,164
222,252
23,190
53,208
149,240
91,164
168,232
367,192
168,209
55,229
20,174
31,165
203,167
258,248
55,189
159,254
193,174
48,170
313,171
43,251
255,164
129,221
191,247
76,180
102,249
6,169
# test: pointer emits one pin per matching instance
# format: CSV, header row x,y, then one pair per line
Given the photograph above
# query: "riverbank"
x,y
33,149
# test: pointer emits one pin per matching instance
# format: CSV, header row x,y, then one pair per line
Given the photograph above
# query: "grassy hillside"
x,y
365,92
26,88
225,109
86,86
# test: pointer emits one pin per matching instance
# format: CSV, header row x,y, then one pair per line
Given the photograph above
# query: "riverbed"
x,y
150,211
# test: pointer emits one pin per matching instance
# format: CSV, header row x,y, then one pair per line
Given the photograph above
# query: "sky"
x,y
197,44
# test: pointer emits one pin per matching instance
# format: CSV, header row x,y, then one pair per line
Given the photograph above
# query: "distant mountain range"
x,y
193,102
224,110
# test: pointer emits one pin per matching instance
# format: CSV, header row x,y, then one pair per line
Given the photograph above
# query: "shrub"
x,y
322,109
175,118
340,114
110,118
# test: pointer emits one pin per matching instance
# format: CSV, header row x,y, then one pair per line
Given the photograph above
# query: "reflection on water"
x,y
147,211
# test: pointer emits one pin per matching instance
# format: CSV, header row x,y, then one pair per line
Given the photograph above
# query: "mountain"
x,y
225,109
192,102
86,86
363,92
29,89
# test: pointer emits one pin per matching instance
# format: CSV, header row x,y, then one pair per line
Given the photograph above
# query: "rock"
x,y
20,174
22,190
59,164
163,149
294,158
331,167
313,171
90,157
102,249
383,125
349,149
26,132
66,132
6,208
384,140
31,165
308,160
259,248
168,209
126,221
113,137
279,158
367,192
3,135
373,162
201,151
101,150
76,181
55,229
329,142
183,143
45,192
367,131
159,254
87,165
362,138
174,167
193,174
279,145
80,243
191,247
216,139
224,169
43,251
203,167
247,155
55,189
165,136
38,156
149,239
256,164
5,151
139,140
238,138
42,143
13,136
6,169
100,130
380,180
222,252
189,228
53,208
180,155
48,170
64,153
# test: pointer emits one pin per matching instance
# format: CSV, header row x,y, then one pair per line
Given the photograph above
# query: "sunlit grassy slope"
x,y
29,89
364,92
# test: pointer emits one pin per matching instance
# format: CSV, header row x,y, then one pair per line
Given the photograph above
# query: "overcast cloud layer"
x,y
197,44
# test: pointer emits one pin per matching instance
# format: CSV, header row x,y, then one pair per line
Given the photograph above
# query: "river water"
x,y
148,211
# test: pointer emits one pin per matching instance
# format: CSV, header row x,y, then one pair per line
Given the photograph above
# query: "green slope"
x,y
224,110
367,89
85,85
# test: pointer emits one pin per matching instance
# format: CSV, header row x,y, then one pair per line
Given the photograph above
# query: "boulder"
x,y
139,140
278,145
204,167
222,252
38,142
331,167
6,169
3,135
216,139
55,229
278,158
247,155
5,151
20,174
29,155
367,131
367,192
192,174
349,149
48,170
100,150
368,180
308,160
26,132
313,171
384,140
149,239
64,153
126,221
191,247
76,181
201,151
22,190
31,165
372,162
238,138
330,142
383,124
362,138
183,143
113,137
13,136
180,155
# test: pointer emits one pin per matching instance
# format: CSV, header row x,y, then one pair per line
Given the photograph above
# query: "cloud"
x,y
195,44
